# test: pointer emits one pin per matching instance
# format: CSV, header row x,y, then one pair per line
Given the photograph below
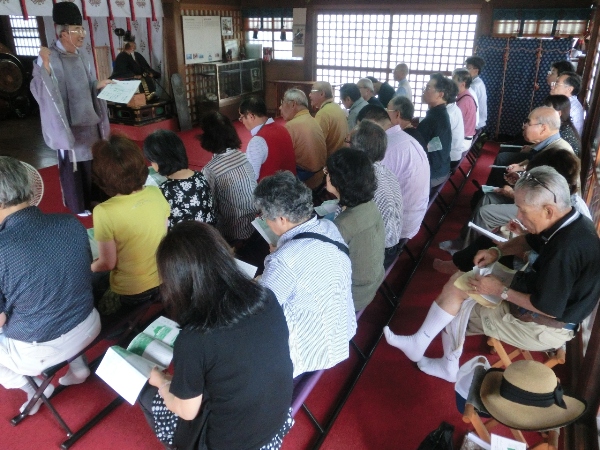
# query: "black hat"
x,y
128,37
66,13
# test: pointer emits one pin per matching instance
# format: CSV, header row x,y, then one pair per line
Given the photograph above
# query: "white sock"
x,y
445,367
77,373
31,392
414,346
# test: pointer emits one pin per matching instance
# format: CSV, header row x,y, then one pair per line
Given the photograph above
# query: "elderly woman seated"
x,y
230,176
186,190
351,178
129,226
309,272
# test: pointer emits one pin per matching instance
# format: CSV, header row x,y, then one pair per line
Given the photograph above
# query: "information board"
x,y
202,39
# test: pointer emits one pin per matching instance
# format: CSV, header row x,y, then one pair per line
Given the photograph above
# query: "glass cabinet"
x,y
226,83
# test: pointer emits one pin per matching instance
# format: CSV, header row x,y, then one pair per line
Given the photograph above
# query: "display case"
x,y
223,85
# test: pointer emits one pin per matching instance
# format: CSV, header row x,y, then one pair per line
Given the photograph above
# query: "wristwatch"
x,y
504,294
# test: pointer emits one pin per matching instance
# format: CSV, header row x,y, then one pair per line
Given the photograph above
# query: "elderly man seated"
x,y
307,137
542,307
542,129
330,116
309,272
47,310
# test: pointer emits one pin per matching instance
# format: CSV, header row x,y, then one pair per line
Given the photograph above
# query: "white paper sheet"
x,y
119,91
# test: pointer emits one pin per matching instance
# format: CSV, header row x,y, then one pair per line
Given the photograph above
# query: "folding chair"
x,y
474,410
302,389
554,357
119,328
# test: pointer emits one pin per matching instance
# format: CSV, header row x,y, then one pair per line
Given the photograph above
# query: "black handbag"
x,y
439,439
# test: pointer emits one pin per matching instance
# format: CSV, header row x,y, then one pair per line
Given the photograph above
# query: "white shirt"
x,y
403,90
576,114
457,126
312,282
258,150
478,88
407,160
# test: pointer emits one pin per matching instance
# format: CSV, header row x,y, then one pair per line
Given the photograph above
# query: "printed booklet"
x,y
127,370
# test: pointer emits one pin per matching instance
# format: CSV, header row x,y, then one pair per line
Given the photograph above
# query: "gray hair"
x,y
15,184
371,139
542,184
324,86
60,28
296,95
283,195
404,106
548,116
366,83
463,76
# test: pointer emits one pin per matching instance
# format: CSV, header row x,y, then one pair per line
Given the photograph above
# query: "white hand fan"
x,y
37,184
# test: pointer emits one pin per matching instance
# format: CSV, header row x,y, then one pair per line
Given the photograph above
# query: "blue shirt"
x,y
45,275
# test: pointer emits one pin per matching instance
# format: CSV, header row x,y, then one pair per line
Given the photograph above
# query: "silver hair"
x,y
296,95
371,139
325,87
60,28
283,195
548,116
15,184
366,83
542,184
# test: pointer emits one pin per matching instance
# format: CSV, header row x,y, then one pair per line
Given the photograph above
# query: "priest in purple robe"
x,y
73,118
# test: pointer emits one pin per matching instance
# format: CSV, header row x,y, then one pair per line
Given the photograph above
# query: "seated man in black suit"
x,y
130,64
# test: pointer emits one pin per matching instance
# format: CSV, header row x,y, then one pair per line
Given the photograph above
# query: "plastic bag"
x,y
439,439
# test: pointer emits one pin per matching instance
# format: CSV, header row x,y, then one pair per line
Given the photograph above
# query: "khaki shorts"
x,y
499,323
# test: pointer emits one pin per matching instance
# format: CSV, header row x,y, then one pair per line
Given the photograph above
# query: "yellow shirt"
x,y
136,222
334,124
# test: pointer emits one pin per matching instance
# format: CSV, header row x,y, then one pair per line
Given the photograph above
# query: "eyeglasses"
x,y
528,123
429,88
391,110
315,90
242,117
528,176
79,30
555,83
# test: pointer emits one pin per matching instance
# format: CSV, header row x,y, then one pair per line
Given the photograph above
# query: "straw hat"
x,y
528,396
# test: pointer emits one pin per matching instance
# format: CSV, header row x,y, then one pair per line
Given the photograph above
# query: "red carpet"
x,y
393,406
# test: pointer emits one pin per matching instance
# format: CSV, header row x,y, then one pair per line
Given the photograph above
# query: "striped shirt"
x,y
388,198
312,281
232,182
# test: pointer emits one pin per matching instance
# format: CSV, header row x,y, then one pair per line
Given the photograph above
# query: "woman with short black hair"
x,y
231,359
568,132
230,176
351,178
186,190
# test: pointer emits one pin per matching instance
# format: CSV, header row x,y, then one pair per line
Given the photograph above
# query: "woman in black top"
x,y
232,375
567,131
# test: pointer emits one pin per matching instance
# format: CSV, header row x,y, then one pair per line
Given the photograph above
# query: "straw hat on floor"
x,y
528,396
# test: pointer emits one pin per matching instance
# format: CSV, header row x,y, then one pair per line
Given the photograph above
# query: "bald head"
x,y
547,116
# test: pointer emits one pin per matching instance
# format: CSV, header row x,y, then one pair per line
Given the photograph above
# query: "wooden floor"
x,y
22,139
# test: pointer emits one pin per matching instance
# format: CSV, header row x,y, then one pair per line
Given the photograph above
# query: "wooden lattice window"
x,y
350,46
268,32
26,35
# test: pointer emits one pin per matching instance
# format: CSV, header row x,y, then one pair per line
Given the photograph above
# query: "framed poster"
x,y
201,39
226,26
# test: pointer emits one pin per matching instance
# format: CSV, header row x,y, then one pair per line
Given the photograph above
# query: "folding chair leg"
x,y
470,416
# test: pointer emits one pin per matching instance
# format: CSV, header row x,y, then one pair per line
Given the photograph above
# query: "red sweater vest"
x,y
281,154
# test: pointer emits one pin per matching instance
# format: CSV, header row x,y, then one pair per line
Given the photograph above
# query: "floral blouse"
x,y
567,132
190,199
